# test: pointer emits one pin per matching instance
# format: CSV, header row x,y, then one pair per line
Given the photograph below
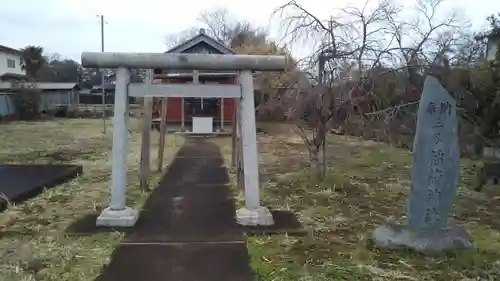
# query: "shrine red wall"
x,y
174,105
229,104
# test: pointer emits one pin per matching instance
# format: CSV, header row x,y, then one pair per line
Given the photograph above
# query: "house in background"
x,y
94,95
53,95
10,64
182,113
10,70
493,40
58,94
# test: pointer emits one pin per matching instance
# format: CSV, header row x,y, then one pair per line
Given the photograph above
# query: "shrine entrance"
x,y
202,112
203,107
244,155
192,115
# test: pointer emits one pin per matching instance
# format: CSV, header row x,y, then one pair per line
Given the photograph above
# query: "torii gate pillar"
x,y
253,213
117,214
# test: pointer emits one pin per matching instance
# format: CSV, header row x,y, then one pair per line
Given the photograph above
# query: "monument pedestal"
x,y
255,216
118,218
425,241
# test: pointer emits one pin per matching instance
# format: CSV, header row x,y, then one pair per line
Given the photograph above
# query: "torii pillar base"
x,y
118,218
254,216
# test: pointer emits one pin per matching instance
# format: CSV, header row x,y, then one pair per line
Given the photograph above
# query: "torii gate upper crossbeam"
x,y
183,61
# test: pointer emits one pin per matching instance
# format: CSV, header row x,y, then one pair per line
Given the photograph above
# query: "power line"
x,y
103,91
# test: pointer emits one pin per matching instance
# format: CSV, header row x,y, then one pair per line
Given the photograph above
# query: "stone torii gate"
x,y
117,214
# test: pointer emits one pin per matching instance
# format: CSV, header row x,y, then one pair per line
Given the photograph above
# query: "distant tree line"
x,y
53,68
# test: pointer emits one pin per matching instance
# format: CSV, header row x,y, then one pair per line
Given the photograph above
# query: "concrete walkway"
x,y
187,230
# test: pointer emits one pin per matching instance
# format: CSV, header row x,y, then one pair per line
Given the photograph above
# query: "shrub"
x,y
27,102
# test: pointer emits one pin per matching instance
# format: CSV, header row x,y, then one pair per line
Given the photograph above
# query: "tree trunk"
x,y
314,158
323,158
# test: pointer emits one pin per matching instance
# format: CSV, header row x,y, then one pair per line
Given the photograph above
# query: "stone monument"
x,y
434,180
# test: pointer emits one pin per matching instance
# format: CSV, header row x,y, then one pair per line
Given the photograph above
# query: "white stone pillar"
x,y
117,214
252,213
234,132
196,77
221,114
195,80
163,133
182,115
145,160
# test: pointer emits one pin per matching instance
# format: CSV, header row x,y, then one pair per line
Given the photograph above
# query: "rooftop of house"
x,y
56,85
12,76
106,86
200,43
494,33
44,86
490,34
200,38
8,50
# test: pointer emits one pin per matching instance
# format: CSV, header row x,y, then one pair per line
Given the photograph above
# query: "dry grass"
x,y
32,241
367,185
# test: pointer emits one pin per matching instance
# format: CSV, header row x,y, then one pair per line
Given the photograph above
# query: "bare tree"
x,y
232,32
367,57
422,43
421,38
174,39
244,37
352,36
218,23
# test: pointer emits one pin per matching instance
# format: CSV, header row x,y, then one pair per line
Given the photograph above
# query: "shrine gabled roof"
x,y
201,38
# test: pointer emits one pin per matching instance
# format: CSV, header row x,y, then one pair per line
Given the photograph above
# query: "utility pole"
x,y
101,19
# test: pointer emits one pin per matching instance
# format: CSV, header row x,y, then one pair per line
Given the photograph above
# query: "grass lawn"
x,y
367,184
32,241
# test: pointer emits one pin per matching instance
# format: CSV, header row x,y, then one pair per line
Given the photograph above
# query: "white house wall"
x,y
491,49
3,64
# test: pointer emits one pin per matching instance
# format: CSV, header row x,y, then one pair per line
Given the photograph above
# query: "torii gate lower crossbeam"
x,y
117,214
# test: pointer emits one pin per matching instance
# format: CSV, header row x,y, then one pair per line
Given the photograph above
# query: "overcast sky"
x,y
70,27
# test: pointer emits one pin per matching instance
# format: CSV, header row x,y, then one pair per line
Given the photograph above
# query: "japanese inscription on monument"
x,y
436,158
